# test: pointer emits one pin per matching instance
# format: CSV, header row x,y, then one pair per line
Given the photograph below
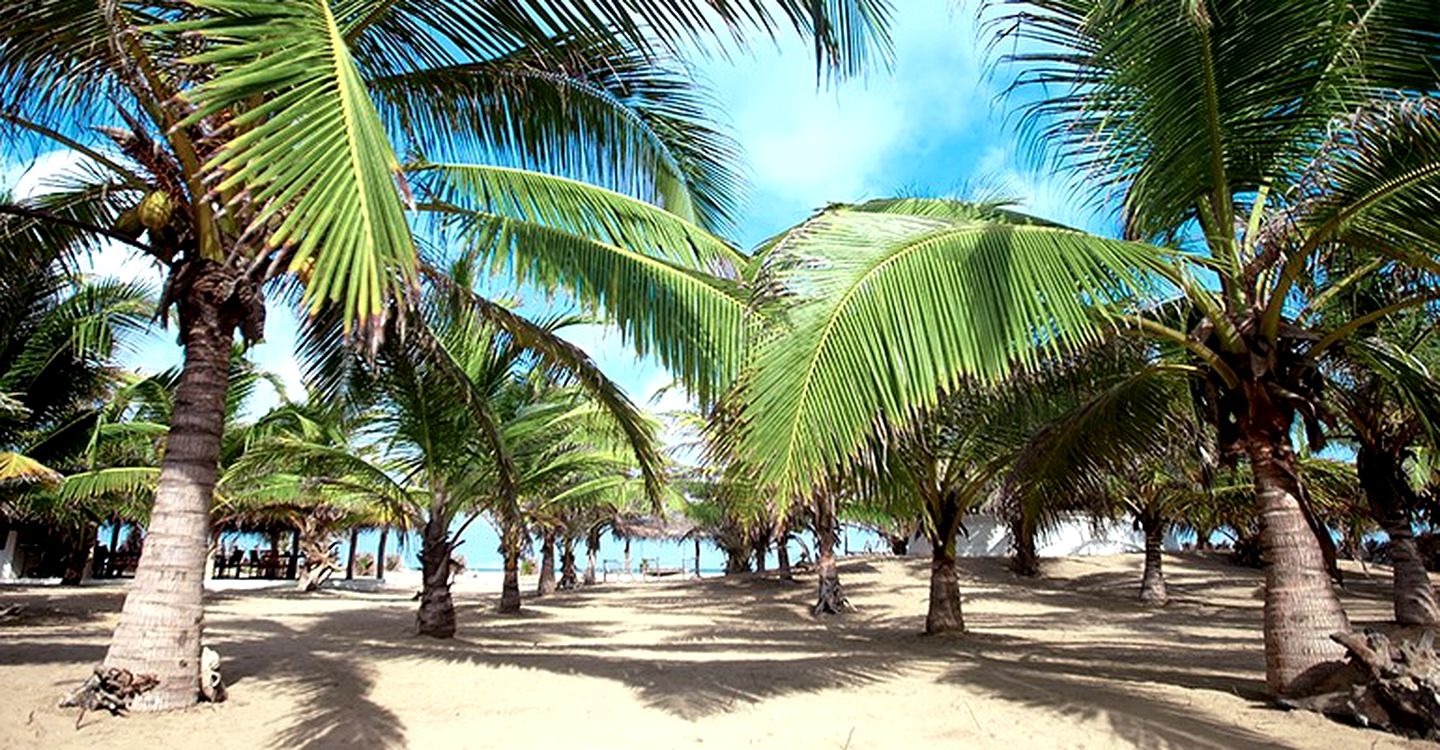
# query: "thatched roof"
x,y
654,527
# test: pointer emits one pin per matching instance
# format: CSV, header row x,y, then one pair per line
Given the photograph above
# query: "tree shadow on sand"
x,y
334,709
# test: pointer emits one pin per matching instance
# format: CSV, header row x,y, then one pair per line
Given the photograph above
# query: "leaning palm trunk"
x,y
160,624
1152,582
1388,490
1301,608
436,617
547,585
831,599
944,615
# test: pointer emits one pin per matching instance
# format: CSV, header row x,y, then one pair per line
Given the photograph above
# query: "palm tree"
x,y
231,163
59,336
1382,388
1248,159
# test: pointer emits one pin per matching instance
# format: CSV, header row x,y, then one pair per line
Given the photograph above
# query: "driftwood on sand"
x,y
1385,684
110,689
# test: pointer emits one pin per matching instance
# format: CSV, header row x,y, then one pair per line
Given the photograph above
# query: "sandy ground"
x,y
1069,661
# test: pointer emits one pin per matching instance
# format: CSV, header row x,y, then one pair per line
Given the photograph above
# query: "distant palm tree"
x,y
59,334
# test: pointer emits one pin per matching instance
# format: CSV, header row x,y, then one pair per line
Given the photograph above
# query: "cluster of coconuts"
x,y
152,213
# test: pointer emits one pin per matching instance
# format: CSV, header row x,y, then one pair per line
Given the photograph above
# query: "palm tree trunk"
x,y
547,564
1152,583
292,565
944,615
569,579
782,556
510,590
737,558
380,553
760,545
78,556
1023,559
831,599
350,555
697,555
436,617
592,551
162,620
1301,609
1389,494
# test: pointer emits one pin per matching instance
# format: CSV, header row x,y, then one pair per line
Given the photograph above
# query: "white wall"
x,y
990,537
7,555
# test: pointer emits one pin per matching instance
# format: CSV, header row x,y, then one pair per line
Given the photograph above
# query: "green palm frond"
x,y
589,111
313,156
692,322
115,480
567,362
1175,103
892,309
847,34
1374,184
580,209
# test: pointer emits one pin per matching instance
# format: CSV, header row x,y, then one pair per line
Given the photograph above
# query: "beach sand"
x,y
1066,661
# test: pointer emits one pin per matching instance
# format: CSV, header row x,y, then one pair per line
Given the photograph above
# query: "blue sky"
x,y
932,125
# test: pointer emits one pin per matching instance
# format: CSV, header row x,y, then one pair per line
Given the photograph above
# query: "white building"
x,y
990,537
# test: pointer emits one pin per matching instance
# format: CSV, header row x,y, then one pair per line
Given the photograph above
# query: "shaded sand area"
x,y
1069,661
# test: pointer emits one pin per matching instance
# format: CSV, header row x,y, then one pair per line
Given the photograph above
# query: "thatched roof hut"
x,y
652,527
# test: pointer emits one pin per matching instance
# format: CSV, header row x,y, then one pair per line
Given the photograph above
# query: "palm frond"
x,y
313,156
588,111
892,309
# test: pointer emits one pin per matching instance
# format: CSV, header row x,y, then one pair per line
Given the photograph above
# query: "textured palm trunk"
x,y
592,552
782,557
510,589
737,559
161,622
350,555
1388,491
1152,582
569,579
380,561
1023,559
1301,608
831,595
944,615
436,617
547,564
79,556
760,545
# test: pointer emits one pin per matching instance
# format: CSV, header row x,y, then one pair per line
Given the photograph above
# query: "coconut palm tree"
x,y
241,142
57,344
1246,161
1382,389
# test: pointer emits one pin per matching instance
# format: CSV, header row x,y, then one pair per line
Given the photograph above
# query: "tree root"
x,y
111,689
1385,685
